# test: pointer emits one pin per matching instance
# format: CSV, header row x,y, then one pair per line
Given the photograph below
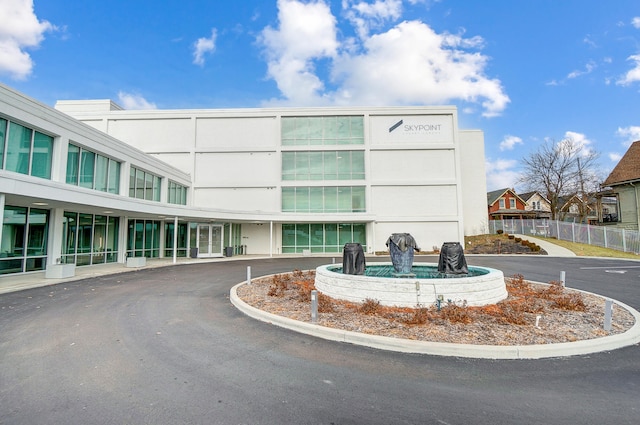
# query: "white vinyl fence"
x,y
603,236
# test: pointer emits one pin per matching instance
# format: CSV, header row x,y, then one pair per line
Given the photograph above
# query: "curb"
x,y
539,351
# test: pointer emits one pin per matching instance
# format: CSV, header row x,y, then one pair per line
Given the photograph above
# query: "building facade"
x,y
89,182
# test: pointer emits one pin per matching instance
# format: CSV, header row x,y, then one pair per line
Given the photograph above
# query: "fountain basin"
x,y
481,286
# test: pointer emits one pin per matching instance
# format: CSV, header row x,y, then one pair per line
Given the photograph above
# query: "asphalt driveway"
x,y
165,346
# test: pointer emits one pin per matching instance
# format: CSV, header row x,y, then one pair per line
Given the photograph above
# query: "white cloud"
x,y
615,157
510,142
20,29
636,22
580,140
307,32
365,16
630,134
587,70
633,74
203,46
501,173
408,64
134,101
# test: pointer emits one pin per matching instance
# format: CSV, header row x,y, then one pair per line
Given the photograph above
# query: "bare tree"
x,y
560,170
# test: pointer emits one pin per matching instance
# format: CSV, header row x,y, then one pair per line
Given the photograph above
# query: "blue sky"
x,y
522,71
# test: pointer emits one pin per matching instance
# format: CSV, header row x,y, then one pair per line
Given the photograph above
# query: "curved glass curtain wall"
x,y
89,239
321,237
24,240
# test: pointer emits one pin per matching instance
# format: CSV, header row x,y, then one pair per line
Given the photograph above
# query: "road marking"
x,y
615,271
621,267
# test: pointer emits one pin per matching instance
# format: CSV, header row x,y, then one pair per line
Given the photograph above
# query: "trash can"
x,y
193,252
452,259
228,251
353,261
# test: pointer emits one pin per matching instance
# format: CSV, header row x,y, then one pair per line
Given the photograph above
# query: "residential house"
x,y
537,203
504,204
577,209
624,184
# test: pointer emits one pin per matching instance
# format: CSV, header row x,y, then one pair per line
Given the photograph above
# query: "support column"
x,y
175,240
54,241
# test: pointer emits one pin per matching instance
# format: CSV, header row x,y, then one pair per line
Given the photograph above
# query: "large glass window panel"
x,y
139,235
288,199
344,199
73,164
114,177
157,187
316,167
69,228
99,239
302,199
330,199
358,203
132,182
330,160
344,129
288,234
148,187
288,165
344,234
331,234
316,235
302,166
316,199
330,128
315,130
102,172
357,165
302,236
42,155
18,148
13,231
139,184
360,233
112,239
37,234
344,165
85,232
87,168
3,137
288,130
357,130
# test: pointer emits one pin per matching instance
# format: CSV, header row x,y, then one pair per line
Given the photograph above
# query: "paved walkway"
x,y
552,249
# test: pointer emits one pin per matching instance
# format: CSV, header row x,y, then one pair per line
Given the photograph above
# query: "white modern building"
x,y
88,182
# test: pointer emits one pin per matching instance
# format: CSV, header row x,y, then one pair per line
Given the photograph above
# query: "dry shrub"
x,y
325,304
555,289
573,302
456,314
513,313
418,316
369,306
279,285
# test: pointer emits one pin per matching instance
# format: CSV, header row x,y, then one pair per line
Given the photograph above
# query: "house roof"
x,y
628,168
528,195
493,196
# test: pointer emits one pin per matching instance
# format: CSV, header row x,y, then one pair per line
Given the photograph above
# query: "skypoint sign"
x,y
427,128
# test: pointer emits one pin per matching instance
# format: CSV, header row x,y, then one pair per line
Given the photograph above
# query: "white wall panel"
x,y
155,135
237,133
414,201
413,165
236,168
182,161
238,199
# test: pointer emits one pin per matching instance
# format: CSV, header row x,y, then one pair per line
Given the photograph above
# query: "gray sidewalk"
x,y
552,249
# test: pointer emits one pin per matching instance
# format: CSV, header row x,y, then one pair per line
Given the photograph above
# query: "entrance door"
x,y
209,240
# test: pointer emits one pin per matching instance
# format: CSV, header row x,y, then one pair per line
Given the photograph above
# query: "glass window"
x,y
319,237
37,233
3,136
87,168
42,155
316,199
501,203
288,199
148,187
324,130
114,177
512,203
18,148
330,199
13,231
139,184
157,187
327,165
102,173
73,160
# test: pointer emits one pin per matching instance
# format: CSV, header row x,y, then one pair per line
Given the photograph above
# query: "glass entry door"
x,y
209,240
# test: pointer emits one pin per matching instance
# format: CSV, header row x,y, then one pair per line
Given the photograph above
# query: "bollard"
x,y
248,275
562,278
314,306
608,314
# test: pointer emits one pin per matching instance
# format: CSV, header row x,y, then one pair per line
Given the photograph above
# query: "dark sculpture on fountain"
x,y
353,261
452,259
401,248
